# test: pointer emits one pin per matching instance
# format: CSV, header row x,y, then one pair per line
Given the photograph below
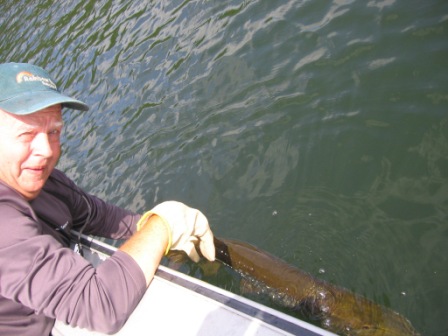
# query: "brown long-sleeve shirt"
x,y
41,279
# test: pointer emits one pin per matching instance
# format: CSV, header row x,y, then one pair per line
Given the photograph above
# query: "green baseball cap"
x,y
26,88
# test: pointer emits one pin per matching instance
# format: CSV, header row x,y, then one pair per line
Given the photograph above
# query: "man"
x,y
41,279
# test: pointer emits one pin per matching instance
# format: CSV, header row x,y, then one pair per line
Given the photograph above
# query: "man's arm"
x,y
148,246
169,226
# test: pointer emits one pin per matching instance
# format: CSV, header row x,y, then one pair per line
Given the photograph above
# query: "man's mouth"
x,y
36,169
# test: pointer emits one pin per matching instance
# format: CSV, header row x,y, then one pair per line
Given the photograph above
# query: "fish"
x,y
334,308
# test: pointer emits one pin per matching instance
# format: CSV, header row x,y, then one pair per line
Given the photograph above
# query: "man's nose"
x,y
42,146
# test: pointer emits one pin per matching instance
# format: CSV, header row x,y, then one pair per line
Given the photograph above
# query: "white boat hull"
x,y
177,304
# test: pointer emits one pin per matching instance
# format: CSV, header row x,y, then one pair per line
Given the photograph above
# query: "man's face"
x,y
29,149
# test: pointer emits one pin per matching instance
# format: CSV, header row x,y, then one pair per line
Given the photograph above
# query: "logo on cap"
x,y
26,76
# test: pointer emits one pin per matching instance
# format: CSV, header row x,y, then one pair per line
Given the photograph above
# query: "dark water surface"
x,y
315,130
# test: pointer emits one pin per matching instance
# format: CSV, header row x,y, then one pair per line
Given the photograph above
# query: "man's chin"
x,y
30,195
32,181
31,191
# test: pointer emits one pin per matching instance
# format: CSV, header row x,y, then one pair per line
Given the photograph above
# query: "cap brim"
x,y
34,101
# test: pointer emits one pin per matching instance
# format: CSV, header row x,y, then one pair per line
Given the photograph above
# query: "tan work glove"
x,y
187,227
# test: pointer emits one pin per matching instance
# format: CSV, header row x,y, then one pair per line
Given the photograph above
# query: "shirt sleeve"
x,y
48,278
101,218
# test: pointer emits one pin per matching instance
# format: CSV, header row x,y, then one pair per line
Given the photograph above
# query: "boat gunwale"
x,y
241,305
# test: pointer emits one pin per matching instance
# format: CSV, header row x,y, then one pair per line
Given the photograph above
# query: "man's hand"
x,y
170,225
188,227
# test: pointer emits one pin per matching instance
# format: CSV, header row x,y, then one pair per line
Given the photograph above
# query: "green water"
x,y
316,130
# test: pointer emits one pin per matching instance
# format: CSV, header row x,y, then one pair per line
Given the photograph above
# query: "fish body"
x,y
336,308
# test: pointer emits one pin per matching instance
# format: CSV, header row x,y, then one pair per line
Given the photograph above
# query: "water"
x,y
316,130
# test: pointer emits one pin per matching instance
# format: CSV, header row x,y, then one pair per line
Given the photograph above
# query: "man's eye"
x,y
54,135
26,136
